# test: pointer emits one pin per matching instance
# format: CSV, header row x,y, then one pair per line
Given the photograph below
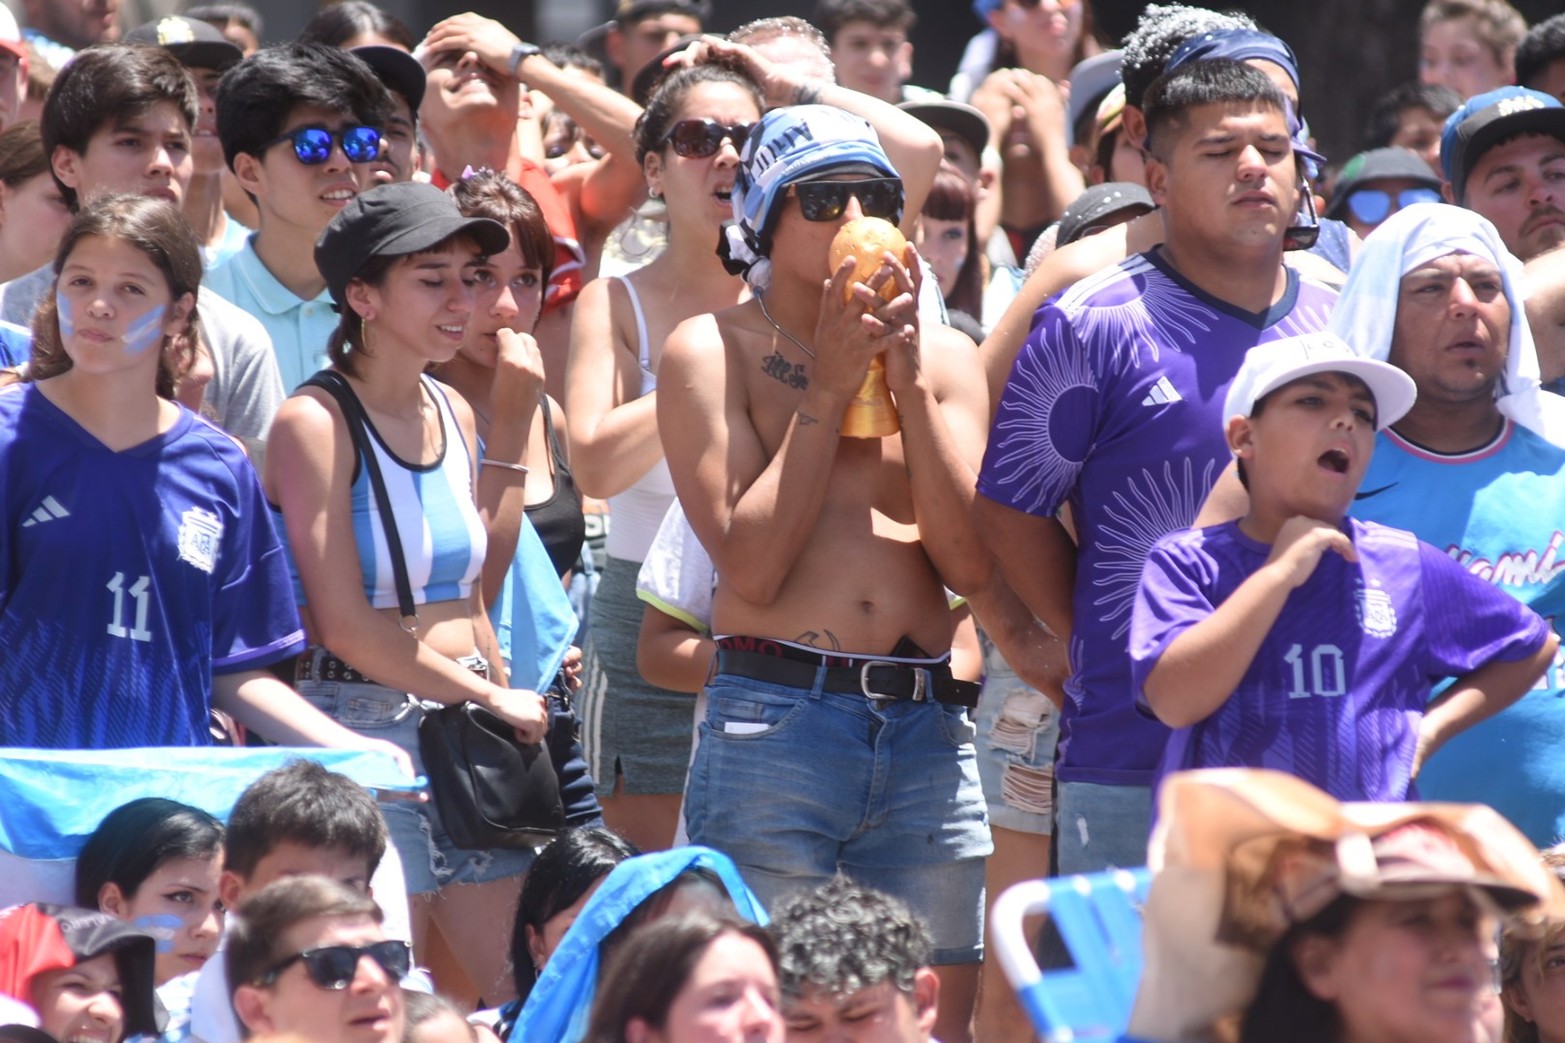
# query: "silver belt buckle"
x,y
920,681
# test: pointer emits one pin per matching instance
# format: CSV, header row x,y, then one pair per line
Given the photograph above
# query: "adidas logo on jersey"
x,y
48,511
1162,393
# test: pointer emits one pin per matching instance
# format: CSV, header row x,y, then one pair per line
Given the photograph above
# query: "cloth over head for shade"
x,y
791,144
1366,310
558,1008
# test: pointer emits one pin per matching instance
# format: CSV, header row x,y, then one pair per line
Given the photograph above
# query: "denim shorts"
x,y
429,859
796,785
1017,730
1101,827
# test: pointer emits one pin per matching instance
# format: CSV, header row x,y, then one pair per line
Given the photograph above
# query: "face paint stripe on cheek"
x,y
62,307
162,927
144,332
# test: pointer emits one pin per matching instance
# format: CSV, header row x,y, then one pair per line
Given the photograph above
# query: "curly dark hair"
x,y
843,937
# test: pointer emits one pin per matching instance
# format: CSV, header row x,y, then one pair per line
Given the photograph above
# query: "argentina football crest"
x,y
200,536
1377,616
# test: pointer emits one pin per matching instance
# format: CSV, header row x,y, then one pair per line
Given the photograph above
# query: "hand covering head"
x,y
1366,311
791,144
1242,45
558,1008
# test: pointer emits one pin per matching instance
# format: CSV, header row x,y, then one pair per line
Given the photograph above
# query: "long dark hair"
x,y
1284,1010
563,871
953,197
644,978
134,839
157,229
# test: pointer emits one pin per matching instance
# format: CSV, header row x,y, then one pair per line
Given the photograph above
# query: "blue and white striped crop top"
x,y
443,538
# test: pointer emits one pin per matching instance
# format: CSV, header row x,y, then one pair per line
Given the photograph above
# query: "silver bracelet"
x,y
520,468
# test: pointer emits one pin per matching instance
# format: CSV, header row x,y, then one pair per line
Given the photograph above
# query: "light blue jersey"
x,y
1500,512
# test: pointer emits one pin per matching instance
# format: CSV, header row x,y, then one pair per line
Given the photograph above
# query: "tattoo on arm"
x,y
808,93
819,639
789,374
805,420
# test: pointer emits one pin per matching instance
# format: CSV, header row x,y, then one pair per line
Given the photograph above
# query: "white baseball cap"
x,y
11,34
1269,366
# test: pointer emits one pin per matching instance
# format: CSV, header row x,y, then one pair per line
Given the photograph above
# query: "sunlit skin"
x,y
730,997
543,943
1044,35
147,154
508,294
1519,185
178,899
1404,972
33,217
425,300
368,1010
872,59
287,858
1452,54
1418,129
696,184
206,150
81,1004
300,197
632,47
1306,452
1452,329
875,1014
1538,996
945,245
115,311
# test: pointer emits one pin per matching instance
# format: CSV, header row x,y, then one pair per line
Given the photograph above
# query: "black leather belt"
x,y
871,678
317,664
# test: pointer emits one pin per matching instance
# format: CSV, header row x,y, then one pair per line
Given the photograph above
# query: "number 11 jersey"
x,y
127,579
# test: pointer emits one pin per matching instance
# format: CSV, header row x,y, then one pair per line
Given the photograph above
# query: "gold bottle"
x,y
871,413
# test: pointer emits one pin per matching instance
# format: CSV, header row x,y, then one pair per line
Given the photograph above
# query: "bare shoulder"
x,y
1076,261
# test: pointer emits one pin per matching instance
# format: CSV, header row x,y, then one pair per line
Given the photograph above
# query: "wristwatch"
x,y
520,53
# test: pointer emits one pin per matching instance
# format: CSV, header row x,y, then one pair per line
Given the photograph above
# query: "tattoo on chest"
x,y
819,639
785,372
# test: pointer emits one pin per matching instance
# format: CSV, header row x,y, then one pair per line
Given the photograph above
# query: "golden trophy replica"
x,y
871,413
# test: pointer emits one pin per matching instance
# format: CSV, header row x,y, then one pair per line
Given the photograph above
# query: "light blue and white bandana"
x,y
791,144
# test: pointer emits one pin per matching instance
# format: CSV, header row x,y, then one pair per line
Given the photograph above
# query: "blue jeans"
x,y
1098,827
1017,730
796,785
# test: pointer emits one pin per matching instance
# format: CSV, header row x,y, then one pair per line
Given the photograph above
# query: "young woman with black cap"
x,y
399,262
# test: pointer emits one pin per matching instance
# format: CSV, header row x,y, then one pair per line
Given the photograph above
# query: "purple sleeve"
x,y
1046,422
254,619
1469,622
1174,595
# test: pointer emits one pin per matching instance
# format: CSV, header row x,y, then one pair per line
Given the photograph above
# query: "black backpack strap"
x,y
337,386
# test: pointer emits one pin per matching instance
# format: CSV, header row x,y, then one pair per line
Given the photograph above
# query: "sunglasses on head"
x,y
826,200
1371,206
333,966
312,145
698,139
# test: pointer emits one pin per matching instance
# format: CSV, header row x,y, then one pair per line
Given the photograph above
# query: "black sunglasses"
x,y
312,145
333,966
826,200
698,139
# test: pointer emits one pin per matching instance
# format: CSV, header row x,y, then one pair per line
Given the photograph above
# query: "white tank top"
x,y
637,512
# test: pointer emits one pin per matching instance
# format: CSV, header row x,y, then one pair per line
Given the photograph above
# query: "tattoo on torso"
x,y
819,639
784,372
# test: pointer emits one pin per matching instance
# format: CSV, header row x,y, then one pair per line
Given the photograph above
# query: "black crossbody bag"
x,y
491,789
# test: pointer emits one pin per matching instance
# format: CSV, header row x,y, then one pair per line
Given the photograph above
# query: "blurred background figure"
x,y
1376,184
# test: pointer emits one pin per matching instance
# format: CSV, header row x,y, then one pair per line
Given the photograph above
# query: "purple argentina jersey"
x,y
1115,406
127,579
1338,687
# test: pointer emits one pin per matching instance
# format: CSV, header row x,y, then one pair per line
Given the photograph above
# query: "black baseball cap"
x,y
395,220
965,121
197,44
627,11
1487,119
397,69
1381,164
1099,203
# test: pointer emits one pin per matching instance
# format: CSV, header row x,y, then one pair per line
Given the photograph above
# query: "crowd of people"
x,y
361,375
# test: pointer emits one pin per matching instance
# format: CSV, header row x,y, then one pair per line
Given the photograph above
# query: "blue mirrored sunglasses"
x,y
1370,206
312,145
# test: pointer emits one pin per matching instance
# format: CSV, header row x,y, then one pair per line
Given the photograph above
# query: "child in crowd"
x,y
86,975
141,571
1299,639
155,863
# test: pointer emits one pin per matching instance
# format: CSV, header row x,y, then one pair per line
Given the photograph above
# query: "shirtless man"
x,y
835,737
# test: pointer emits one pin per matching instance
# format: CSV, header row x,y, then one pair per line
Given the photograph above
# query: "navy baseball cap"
x,y
1487,119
